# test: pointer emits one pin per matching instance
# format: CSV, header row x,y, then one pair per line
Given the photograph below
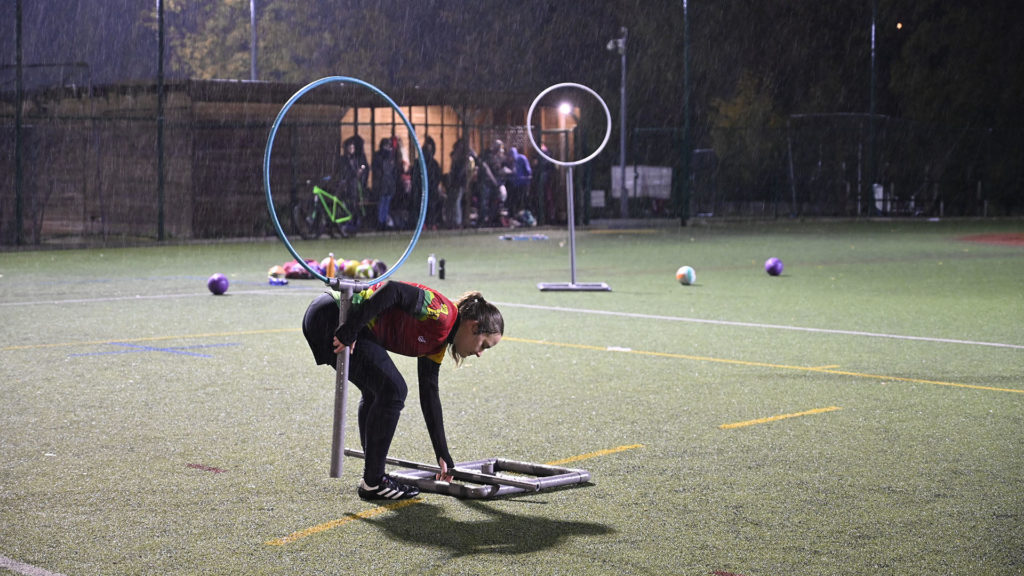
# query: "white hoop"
x,y
529,131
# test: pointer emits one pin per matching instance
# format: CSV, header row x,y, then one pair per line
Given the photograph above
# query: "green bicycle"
x,y
322,211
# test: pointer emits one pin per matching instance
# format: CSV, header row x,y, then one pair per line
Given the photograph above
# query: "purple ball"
x,y
218,284
773,266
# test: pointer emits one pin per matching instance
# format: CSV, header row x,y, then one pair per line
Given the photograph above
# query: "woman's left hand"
x,y
445,475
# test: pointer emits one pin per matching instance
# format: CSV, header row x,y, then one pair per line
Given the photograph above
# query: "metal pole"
x,y
19,178
160,97
684,205
792,175
569,201
340,391
872,167
254,71
623,200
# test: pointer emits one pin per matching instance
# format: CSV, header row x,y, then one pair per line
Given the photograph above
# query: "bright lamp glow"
x,y
565,108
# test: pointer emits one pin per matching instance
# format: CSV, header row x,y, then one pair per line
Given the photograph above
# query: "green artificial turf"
x,y
875,388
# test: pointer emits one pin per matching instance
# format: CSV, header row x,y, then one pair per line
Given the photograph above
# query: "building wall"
x,y
91,159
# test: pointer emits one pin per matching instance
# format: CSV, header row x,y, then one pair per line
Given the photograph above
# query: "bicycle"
x,y
322,211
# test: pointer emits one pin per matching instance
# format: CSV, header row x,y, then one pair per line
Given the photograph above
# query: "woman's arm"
x,y
430,403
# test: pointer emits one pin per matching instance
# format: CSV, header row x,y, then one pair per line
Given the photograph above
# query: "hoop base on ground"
x,y
574,286
481,478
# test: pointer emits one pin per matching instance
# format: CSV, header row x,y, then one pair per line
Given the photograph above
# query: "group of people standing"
x,y
499,188
394,198
504,187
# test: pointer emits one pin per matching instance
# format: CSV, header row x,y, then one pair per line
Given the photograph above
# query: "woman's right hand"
x,y
338,346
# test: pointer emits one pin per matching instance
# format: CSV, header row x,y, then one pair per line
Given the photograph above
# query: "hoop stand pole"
x,y
570,206
570,203
340,390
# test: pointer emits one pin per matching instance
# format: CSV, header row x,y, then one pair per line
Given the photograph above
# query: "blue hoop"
x,y
266,174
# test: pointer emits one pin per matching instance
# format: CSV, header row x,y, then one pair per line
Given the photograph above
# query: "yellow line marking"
x,y
764,365
340,521
821,369
403,503
594,454
149,339
778,417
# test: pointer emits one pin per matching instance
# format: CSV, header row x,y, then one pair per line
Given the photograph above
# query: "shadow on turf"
x,y
500,533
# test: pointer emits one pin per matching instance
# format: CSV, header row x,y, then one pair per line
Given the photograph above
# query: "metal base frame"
x,y
574,287
545,477
483,478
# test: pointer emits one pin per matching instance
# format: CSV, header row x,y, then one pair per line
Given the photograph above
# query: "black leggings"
x,y
371,369
384,391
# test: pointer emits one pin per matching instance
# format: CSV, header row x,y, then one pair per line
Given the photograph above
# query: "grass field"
x,y
863,413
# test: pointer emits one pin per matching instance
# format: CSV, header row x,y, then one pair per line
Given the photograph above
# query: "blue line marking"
x,y
179,350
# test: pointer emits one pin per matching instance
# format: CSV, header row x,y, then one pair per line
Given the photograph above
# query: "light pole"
x,y
684,202
161,100
19,101
619,45
253,41
872,166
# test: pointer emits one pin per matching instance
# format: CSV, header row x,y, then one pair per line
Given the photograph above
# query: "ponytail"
x,y
473,306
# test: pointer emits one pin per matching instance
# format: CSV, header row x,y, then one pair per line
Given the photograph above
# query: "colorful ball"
x,y
773,266
218,284
686,275
350,268
364,271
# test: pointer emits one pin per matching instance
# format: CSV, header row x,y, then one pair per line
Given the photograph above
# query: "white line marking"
x,y
756,325
306,291
22,568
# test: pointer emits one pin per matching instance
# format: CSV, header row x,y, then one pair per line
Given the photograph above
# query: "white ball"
x,y
686,276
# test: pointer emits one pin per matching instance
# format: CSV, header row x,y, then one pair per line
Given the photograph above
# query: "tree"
x,y
745,135
959,76
961,63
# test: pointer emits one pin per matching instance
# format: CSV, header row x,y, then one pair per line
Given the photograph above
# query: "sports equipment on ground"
x,y
686,275
218,284
773,266
483,478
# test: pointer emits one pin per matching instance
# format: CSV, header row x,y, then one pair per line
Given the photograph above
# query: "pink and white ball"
x,y
218,284
773,266
686,275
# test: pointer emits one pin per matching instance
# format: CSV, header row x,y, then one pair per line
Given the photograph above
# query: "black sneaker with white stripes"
x,y
388,489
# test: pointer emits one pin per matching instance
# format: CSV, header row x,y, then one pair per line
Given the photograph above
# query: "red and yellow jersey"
x,y
418,325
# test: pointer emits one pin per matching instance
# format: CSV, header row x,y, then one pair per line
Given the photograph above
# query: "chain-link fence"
x,y
91,177
830,165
